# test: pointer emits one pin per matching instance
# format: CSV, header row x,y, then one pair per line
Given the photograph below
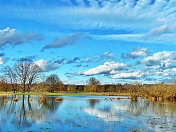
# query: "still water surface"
x,y
85,113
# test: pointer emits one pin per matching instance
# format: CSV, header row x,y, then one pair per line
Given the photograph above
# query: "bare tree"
x,y
52,80
22,70
3,83
93,81
34,71
10,72
27,72
92,84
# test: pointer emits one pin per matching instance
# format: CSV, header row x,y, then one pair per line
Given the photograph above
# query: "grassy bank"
x,y
71,94
6,94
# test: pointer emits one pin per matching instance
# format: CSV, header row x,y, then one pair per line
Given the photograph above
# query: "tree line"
x,y
24,76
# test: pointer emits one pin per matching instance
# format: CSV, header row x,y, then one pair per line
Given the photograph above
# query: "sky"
x,y
115,41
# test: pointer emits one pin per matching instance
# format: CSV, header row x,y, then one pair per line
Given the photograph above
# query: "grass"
x,y
6,93
65,93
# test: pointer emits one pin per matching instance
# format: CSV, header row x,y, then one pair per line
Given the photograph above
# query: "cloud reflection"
x,y
107,116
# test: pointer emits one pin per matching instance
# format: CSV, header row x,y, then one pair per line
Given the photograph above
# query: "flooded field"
x,y
85,113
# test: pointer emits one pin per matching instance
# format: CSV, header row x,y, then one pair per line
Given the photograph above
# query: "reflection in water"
x,y
93,102
136,108
25,111
157,116
108,116
159,108
81,113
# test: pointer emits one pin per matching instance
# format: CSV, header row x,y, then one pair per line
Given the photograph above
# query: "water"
x,y
85,113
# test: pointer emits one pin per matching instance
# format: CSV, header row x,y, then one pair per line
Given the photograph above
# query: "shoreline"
x,y
70,94
128,95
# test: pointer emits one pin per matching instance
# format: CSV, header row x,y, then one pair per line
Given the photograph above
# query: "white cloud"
x,y
107,55
166,72
143,17
157,31
135,53
107,116
128,75
159,66
93,3
3,60
104,69
14,37
110,16
47,65
64,41
80,2
162,59
139,52
113,72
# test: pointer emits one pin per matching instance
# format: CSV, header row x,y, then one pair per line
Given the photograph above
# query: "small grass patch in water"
x,y
137,130
78,126
45,128
42,128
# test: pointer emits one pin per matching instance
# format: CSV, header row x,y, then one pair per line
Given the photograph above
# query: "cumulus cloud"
x,y
47,65
166,72
128,75
161,59
159,66
104,69
135,53
139,52
14,37
169,72
64,41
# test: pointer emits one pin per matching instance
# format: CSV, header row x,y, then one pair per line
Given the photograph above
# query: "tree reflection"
x,y
24,112
159,108
93,102
155,115
2,101
51,104
137,107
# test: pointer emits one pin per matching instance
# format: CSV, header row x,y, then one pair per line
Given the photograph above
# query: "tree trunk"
x,y
24,88
28,88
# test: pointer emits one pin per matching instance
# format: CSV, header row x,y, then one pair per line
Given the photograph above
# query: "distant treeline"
x,y
24,76
60,87
150,91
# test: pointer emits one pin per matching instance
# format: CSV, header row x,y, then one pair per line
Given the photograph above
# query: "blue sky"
x,y
115,41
